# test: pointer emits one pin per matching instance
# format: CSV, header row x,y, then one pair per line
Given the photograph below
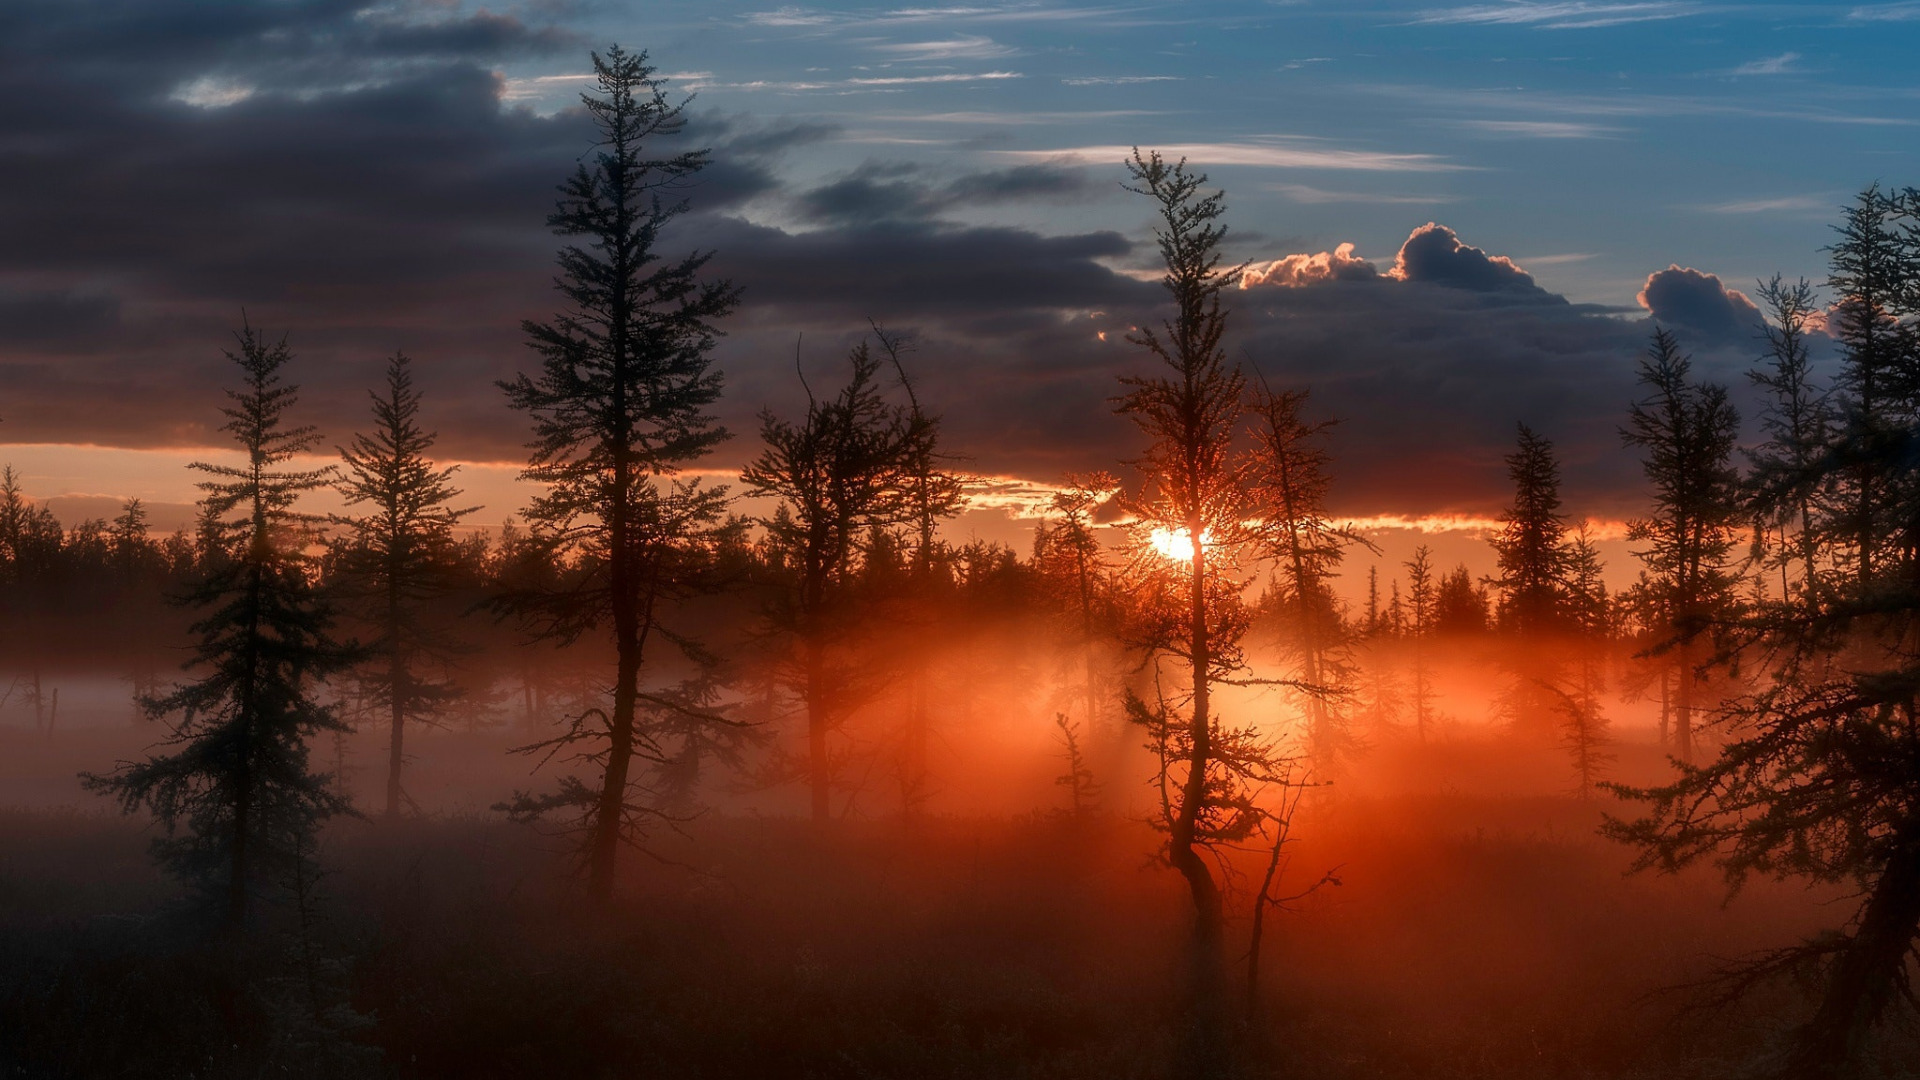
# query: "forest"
x,y
781,774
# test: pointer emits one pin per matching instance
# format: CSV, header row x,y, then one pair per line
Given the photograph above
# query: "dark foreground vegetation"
x,y
1472,937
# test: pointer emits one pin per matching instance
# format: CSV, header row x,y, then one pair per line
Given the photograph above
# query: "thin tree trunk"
x,y
1683,707
818,775
1209,1030
399,688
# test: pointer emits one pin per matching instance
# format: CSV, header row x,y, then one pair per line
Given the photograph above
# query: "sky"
x,y
1458,217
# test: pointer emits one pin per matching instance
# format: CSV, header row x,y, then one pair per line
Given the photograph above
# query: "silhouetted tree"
x,y
1532,547
1796,422
846,468
620,406
1460,606
1820,776
933,494
1071,563
397,557
239,778
1288,482
1189,539
1687,430
1423,617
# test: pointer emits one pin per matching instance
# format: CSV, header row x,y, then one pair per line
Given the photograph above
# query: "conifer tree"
x,y
1190,539
1820,774
1288,483
844,471
1534,560
1422,612
621,405
235,794
1796,422
398,558
1070,561
1687,430
1459,606
1532,546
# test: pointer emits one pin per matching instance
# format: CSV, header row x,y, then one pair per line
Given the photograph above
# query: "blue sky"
x,y
1592,142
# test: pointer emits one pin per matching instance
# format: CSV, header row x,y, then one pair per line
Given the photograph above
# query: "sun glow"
x,y
1177,544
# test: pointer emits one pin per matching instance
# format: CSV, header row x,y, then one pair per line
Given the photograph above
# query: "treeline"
x,y
1776,614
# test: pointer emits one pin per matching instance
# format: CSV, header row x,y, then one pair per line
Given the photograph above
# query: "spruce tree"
x,y
1820,774
235,793
397,558
1687,431
1782,470
621,405
1288,482
1532,547
1422,610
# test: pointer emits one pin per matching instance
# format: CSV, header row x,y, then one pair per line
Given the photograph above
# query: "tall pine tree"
x,y
620,406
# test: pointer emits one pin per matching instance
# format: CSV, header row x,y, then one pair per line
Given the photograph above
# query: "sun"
x,y
1177,544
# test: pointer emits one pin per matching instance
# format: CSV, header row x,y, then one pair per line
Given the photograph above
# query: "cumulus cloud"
x,y
1340,264
1435,255
1697,301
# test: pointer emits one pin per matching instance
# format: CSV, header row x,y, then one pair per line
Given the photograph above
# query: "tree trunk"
x,y
1866,975
1207,1052
818,774
611,811
1683,707
398,690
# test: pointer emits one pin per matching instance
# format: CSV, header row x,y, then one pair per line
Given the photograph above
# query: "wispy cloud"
x,y
1540,129
1514,99
789,16
963,47
1004,119
1121,80
1567,15
877,82
1302,193
1781,205
212,92
916,80
1272,152
1556,260
1905,11
1772,65
807,18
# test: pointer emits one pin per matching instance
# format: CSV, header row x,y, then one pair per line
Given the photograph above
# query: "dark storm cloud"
x,y
899,191
1690,300
351,175
1433,363
909,270
1434,255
